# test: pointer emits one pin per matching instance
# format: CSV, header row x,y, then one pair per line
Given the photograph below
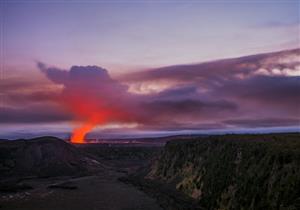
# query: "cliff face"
x,y
234,171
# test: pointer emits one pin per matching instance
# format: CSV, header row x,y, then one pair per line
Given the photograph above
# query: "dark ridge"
x,y
42,157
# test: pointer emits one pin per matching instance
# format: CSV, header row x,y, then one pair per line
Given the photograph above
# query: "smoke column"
x,y
91,96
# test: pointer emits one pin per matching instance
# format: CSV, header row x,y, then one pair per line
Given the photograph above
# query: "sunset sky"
x,y
141,68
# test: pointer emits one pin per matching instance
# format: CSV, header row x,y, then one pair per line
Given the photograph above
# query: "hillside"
x,y
227,172
42,157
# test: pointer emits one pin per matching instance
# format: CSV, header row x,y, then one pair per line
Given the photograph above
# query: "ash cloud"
x,y
89,92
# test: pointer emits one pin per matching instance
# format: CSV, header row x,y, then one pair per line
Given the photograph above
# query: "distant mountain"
x,y
146,141
42,157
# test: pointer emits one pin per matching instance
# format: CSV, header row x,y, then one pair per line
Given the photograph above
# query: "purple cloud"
x,y
252,91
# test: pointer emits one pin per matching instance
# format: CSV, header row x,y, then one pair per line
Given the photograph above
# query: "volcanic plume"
x,y
259,90
92,96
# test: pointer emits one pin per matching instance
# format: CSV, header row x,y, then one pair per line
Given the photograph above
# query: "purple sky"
x,y
155,55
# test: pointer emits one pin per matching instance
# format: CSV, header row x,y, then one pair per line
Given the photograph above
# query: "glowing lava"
x,y
79,133
91,96
92,112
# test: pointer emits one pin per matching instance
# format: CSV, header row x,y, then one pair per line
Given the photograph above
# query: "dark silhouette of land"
x,y
189,172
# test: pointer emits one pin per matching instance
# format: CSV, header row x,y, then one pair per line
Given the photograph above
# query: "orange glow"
x,y
79,133
92,111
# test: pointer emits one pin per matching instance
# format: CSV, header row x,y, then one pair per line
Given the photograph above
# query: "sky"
x,y
144,66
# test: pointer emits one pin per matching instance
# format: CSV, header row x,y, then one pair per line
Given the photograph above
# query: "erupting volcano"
x,y
92,111
89,110
79,133
91,96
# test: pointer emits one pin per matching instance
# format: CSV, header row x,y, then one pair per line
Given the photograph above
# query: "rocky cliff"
x,y
231,171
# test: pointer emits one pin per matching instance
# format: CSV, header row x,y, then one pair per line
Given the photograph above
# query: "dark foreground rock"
x,y
226,172
48,173
66,185
42,157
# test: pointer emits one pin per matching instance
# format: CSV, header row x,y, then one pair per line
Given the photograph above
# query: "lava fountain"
x,y
91,96
78,135
92,111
